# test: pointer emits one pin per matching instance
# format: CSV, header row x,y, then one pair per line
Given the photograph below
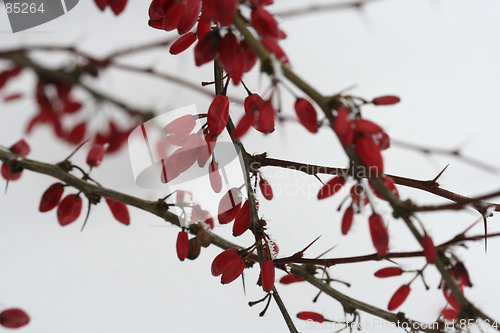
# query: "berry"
x,y
399,297
51,197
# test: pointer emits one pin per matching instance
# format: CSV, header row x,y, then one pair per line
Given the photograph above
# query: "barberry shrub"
x,y
340,173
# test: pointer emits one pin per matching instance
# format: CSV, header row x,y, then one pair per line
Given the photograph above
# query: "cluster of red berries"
x,y
10,172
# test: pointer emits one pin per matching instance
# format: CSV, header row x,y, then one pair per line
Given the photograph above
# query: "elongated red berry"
x,y
173,15
369,153
13,318
189,152
450,314
225,10
266,189
390,184
95,155
343,127
242,220
272,46
51,197
217,115
233,271
117,6
206,150
249,57
222,261
308,315
386,100
399,297
244,125
264,23
388,272
429,249
331,187
291,278
367,127
182,245
462,274
347,220
378,231
20,148
307,114
227,50
189,16
265,119
204,25
182,43
207,48
119,211
238,68
215,177
77,133
452,300
267,275
229,206
69,209
101,4
8,174
253,103
157,9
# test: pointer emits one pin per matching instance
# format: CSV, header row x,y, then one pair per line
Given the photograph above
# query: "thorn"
x,y
301,253
439,174
485,234
243,281
74,151
316,175
322,254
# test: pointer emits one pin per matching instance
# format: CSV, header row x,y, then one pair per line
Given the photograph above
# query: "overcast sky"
x,y
440,57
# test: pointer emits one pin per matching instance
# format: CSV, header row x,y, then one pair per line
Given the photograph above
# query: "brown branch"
x,y
315,8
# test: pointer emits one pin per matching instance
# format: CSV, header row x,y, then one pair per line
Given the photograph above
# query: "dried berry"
x,y
194,249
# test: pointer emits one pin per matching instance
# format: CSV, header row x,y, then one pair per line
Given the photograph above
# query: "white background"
x,y
440,57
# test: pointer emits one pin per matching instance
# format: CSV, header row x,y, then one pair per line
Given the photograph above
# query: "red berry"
x,y
242,220
249,57
343,127
181,127
207,48
331,187
182,245
71,106
452,300
253,103
384,141
218,114
378,231
264,23
13,318
272,46
463,274
388,272
347,220
8,175
157,9
308,315
95,155
20,148
119,210
399,297
51,197
189,16
204,26
227,50
265,119
222,261
117,6
291,278
206,150
101,4
244,125
429,249
215,177
306,114
369,153
238,68
229,206
266,189
367,127
77,133
233,271
189,152
172,16
450,314
69,209
181,44
225,10
386,100
267,275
